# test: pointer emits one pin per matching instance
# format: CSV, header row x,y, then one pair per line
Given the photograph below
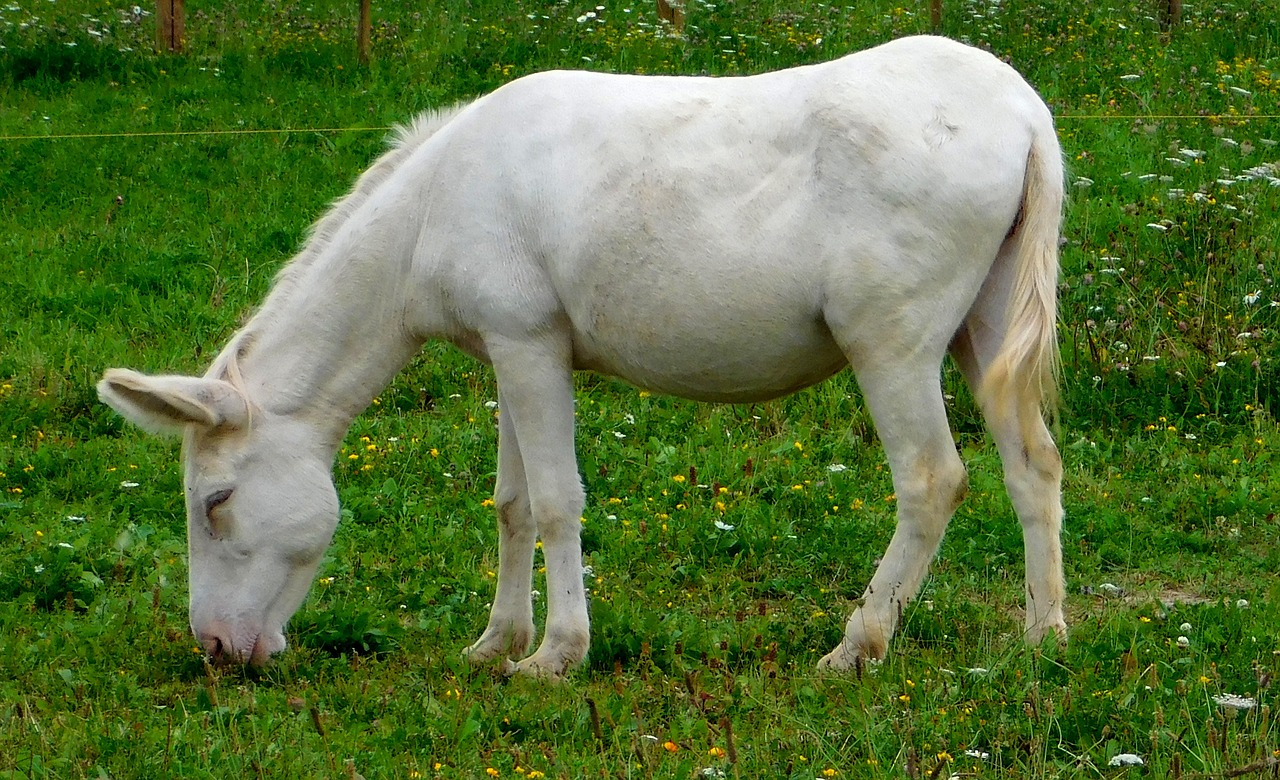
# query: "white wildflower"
x,y
1241,91
1252,297
127,484
723,526
1242,604
836,468
1233,702
1084,182
1157,226
1185,628
1192,154
1126,759
1183,643
1130,77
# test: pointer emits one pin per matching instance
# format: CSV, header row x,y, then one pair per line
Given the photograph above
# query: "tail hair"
x,y
1026,368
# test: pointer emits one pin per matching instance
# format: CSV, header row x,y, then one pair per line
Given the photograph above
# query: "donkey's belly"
x,y
733,363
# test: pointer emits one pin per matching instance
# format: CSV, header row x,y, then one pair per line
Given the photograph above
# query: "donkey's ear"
x,y
167,404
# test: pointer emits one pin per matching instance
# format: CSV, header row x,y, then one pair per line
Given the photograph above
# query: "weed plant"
x,y
726,545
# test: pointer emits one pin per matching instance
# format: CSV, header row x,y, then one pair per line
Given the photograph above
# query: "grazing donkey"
x,y
722,239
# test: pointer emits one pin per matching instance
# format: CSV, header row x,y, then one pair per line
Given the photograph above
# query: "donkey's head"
x,y
261,506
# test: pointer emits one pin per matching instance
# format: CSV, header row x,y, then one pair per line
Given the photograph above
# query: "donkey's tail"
x,y
1025,369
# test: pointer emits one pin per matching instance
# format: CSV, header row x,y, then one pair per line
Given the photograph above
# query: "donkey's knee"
x,y
931,492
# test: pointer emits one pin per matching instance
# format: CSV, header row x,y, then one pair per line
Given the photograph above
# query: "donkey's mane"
x,y
403,141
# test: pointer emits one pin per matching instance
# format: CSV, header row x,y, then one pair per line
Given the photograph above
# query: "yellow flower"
x,y
670,746
829,772
491,772
716,752
678,478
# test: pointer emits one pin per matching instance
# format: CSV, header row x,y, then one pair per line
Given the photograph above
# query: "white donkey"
x,y
722,239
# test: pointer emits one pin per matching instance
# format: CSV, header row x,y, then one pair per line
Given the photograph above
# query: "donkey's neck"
x,y
332,333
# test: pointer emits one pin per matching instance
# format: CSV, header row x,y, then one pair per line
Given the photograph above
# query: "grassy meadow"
x,y
147,200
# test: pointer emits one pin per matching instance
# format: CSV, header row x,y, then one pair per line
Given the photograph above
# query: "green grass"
x,y
147,251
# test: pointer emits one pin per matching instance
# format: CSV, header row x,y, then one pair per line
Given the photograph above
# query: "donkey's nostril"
x,y
213,644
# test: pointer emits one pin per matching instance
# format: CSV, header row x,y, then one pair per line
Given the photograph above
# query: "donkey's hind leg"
x,y
511,630
929,481
1032,476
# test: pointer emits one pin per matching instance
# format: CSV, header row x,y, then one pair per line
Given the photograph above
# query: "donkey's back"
x,y
738,238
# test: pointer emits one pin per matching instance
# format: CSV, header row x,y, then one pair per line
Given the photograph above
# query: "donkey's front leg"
x,y
537,396
510,631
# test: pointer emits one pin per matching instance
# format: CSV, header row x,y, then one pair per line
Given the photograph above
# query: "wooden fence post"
x,y
1170,13
935,14
171,24
672,11
365,32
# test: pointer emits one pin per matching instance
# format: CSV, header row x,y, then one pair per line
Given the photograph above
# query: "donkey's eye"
x,y
214,501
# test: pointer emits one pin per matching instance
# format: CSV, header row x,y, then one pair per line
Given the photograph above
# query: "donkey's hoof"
x,y
559,652
511,643
848,656
539,668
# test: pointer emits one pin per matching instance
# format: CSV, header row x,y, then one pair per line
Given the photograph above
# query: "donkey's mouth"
x,y
224,648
